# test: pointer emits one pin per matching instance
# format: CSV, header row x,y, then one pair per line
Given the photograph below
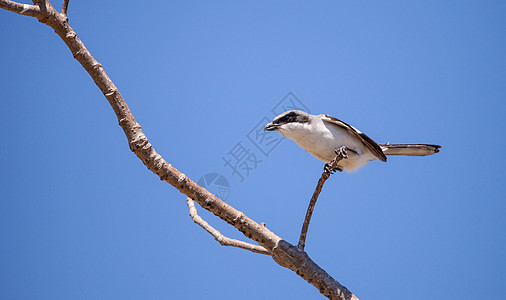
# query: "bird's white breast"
x,y
321,139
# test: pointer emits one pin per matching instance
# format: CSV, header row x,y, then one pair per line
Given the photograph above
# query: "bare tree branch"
x,y
19,8
223,240
281,251
65,7
329,168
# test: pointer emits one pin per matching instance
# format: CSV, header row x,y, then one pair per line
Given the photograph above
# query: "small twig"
x,y
20,8
65,7
329,168
223,240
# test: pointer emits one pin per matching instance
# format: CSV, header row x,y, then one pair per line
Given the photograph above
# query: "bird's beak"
x,y
271,127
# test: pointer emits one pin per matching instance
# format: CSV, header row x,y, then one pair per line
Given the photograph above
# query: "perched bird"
x,y
323,136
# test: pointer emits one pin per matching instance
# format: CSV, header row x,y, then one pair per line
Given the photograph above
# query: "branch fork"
x,y
220,238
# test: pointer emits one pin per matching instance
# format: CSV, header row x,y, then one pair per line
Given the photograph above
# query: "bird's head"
x,y
291,121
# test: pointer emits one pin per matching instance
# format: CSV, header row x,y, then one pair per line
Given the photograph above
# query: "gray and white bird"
x,y
323,135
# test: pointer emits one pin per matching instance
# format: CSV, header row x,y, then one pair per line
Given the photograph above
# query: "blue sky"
x,y
82,218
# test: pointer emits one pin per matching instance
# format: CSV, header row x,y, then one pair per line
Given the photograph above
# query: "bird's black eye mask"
x,y
290,118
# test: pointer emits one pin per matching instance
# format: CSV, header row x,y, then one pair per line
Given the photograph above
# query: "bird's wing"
x,y
368,142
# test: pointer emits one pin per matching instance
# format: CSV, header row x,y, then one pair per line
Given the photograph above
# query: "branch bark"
x,y
64,7
329,168
22,9
282,252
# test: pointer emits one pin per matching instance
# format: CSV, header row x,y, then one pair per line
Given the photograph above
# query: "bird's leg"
x,y
341,153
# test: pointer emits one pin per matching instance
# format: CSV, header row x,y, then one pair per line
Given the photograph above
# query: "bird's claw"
x,y
328,169
342,151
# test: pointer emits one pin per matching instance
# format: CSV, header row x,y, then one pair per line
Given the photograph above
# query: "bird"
x,y
324,137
